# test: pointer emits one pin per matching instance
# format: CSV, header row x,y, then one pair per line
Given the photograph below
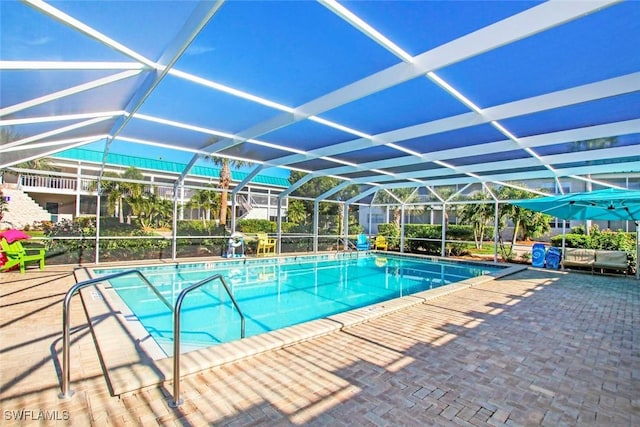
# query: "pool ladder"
x,y
177,401
66,321
349,249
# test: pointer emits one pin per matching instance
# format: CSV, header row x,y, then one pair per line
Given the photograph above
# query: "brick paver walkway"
x,y
537,348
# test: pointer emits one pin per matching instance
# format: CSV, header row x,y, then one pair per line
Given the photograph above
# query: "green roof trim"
x,y
92,156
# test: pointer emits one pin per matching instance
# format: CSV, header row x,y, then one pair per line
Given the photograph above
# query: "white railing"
x,y
264,200
164,192
32,182
50,182
88,185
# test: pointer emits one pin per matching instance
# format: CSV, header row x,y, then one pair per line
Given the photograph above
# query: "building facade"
x,y
69,190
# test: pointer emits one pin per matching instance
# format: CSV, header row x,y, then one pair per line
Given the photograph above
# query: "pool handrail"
x,y
66,320
177,401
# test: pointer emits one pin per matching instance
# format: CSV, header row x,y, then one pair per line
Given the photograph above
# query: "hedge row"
x,y
425,238
607,240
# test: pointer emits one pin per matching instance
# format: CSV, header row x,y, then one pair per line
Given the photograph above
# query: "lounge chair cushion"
x,y
579,257
613,260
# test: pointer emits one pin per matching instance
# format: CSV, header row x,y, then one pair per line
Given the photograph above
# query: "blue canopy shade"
x,y
610,205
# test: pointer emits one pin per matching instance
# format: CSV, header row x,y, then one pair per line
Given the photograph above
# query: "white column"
x,y
182,201
495,232
98,223
279,223
402,228
78,187
345,223
316,222
443,243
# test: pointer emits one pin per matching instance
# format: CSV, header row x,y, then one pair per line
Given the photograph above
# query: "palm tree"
x,y
479,215
525,222
296,212
152,211
130,188
225,180
114,194
41,164
340,218
119,192
206,200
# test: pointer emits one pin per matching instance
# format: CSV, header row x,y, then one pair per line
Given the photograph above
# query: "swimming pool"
x,y
276,293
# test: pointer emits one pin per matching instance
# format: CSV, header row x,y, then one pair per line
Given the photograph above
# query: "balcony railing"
x,y
41,182
50,182
35,182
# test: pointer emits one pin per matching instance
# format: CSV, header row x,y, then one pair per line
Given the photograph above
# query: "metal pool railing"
x,y
177,401
66,320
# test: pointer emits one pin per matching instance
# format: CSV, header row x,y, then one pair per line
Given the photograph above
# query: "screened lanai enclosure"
x,y
413,120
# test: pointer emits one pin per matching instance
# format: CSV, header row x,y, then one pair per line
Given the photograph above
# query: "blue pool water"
x,y
276,293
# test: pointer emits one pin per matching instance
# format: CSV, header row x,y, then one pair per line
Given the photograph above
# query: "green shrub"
x,y
458,249
572,241
256,226
607,240
426,238
297,228
355,229
199,228
416,235
61,249
134,249
613,240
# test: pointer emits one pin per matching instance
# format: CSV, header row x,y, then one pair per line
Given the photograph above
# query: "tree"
x,y
120,192
42,164
479,215
318,186
225,180
131,188
125,192
296,212
114,194
526,223
151,210
207,200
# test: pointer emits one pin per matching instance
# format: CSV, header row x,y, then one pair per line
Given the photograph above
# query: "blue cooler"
x,y
538,255
553,257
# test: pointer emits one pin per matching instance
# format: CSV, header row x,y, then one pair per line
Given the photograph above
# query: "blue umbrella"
x,y
608,205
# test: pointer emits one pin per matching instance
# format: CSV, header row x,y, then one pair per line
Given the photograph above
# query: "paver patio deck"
x,y
536,348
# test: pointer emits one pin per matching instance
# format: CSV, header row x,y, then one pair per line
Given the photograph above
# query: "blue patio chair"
x,y
362,242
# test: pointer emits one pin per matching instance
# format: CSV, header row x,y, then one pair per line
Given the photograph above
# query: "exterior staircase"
x,y
246,206
21,210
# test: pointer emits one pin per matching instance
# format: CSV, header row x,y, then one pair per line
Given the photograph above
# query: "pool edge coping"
x,y
136,365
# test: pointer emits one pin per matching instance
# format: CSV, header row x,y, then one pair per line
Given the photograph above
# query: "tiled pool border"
x,y
132,360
